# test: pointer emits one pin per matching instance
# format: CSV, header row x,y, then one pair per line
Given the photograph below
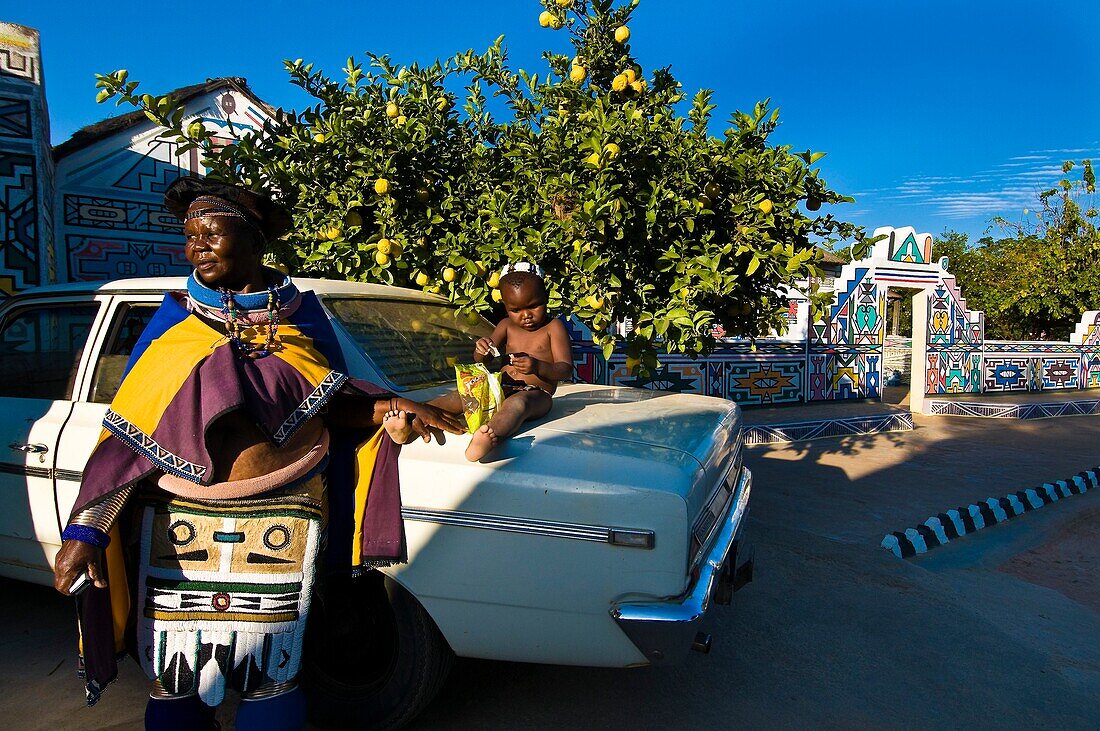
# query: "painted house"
x,y
110,179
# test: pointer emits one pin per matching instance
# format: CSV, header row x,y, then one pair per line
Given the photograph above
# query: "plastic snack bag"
x,y
480,392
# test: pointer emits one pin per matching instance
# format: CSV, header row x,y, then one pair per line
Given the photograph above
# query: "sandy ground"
x,y
1068,562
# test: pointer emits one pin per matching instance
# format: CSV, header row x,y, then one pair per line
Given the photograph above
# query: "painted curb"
x,y
761,434
939,529
1049,410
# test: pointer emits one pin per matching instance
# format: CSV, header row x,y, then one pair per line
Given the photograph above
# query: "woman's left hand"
x,y
430,417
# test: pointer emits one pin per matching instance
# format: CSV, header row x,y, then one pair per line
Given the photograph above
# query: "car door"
x,y
125,319
42,348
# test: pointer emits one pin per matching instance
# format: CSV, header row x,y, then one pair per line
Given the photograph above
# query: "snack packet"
x,y
480,392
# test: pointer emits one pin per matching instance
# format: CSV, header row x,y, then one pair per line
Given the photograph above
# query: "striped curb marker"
x,y
939,529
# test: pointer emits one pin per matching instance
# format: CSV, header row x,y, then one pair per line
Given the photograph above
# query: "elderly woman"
x,y
203,512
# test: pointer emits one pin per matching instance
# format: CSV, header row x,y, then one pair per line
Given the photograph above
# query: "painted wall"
x,y
842,358
27,250
111,219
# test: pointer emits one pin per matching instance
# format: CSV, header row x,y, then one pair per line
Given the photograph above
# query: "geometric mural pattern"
x,y
954,345
95,258
1006,374
18,222
127,215
15,118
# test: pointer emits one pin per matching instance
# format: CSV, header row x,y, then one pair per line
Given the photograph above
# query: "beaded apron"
x,y
225,589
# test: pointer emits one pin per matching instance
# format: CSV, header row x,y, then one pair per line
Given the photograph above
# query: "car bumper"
x,y
665,630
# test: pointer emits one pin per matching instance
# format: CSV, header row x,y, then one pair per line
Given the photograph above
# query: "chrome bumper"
x,y
665,630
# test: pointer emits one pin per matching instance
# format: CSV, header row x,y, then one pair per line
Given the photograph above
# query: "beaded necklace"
x,y
231,314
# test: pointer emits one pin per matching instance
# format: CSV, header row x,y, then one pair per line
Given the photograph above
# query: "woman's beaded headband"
x,y
220,207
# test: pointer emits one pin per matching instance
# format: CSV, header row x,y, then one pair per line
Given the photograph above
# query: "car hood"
x,y
596,441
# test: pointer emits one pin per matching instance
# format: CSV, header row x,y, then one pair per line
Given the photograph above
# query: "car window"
x,y
40,349
414,344
129,322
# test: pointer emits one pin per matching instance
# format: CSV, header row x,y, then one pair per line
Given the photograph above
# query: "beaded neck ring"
x,y
233,329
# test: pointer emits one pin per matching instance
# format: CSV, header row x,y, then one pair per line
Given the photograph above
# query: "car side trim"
x,y
614,535
22,469
628,537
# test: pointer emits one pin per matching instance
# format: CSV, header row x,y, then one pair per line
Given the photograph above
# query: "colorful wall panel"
x,y
27,255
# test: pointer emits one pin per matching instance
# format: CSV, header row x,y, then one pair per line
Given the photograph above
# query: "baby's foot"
x,y
481,443
399,426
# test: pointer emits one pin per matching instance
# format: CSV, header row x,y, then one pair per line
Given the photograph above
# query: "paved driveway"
x,y
834,633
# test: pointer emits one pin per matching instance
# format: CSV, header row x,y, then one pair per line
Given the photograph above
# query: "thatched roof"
x,y
95,132
828,257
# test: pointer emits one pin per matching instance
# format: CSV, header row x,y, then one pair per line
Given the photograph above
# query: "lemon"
x,y
705,201
435,289
496,295
382,259
449,274
631,77
545,17
319,137
422,195
612,150
443,103
632,363
480,268
473,318
385,246
618,83
637,86
195,129
712,190
577,74
812,204
595,303
622,34
765,206
594,160
564,3
422,279
392,110
416,325
557,23
381,186
353,219
494,279
400,121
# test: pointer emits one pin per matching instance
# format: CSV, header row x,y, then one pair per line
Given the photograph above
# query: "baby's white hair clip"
x,y
521,266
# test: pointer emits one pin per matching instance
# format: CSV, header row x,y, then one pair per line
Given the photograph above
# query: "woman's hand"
x,y
74,559
430,417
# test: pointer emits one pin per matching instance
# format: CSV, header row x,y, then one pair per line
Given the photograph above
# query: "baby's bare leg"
x,y
515,410
450,402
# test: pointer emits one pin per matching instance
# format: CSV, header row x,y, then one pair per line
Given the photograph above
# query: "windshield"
x,y
413,344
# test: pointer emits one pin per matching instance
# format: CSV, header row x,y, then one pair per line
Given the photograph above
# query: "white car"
x,y
598,535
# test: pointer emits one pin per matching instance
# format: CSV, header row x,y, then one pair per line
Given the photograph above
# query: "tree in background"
x,y
633,209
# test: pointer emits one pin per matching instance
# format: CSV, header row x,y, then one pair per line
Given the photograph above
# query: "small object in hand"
x,y
81,583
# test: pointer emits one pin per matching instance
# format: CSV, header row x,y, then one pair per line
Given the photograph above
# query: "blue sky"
x,y
934,114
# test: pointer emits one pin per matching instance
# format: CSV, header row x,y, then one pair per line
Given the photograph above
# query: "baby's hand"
x,y
523,363
483,347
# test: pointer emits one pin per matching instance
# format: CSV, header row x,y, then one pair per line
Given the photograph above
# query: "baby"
x,y
537,354
537,351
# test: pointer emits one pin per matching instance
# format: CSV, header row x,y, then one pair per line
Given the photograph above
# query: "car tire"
x,y
373,658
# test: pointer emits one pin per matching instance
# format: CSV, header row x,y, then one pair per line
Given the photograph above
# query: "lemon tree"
x,y
632,206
